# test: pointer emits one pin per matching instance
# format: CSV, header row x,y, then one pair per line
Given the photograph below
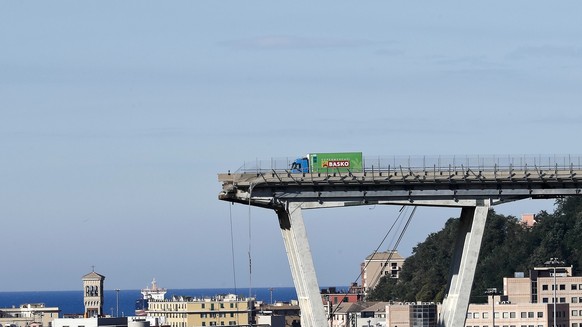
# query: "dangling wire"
x,y
249,254
391,253
401,211
250,248
232,248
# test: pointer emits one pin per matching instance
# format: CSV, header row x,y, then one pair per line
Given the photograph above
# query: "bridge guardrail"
x,y
445,163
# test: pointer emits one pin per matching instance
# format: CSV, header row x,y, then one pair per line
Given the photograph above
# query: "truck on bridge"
x,y
343,162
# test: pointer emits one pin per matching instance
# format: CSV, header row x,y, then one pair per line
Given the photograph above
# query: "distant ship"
x,y
153,293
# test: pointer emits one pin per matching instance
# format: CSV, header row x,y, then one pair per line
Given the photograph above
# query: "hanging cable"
x,y
232,248
249,254
401,211
391,253
250,257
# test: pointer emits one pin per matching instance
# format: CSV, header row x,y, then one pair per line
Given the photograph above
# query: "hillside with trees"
x,y
507,247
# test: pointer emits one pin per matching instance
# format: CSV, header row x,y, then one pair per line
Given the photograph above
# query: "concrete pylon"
x,y
463,264
302,268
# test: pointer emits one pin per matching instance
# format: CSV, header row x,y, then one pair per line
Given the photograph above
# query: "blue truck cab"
x,y
300,165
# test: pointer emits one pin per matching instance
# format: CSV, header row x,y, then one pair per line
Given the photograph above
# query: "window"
x,y
512,315
574,313
574,287
574,300
545,300
562,287
530,315
562,300
506,315
524,314
540,314
544,287
476,315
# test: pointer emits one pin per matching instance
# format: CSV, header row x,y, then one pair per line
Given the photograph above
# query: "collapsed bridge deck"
x,y
507,180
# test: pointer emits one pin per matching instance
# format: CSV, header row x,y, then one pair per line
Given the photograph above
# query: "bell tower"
x,y
93,294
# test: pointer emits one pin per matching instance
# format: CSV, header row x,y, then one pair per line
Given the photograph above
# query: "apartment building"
x,y
503,314
221,310
380,264
548,285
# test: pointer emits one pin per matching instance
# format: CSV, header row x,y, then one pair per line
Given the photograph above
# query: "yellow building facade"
x,y
222,310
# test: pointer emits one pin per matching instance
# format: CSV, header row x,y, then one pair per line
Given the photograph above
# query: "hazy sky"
x,y
117,116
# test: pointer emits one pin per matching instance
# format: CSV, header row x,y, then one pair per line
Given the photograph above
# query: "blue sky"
x,y
115,118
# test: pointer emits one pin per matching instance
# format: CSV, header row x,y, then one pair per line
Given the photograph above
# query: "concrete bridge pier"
x,y
301,263
463,264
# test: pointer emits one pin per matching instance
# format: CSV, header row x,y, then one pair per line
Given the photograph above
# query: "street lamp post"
x,y
492,292
554,262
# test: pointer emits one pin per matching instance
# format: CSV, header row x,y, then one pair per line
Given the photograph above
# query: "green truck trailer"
x,y
342,162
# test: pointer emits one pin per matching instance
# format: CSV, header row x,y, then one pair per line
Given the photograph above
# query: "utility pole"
x,y
492,292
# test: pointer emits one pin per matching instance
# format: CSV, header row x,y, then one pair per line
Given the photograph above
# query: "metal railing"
x,y
439,163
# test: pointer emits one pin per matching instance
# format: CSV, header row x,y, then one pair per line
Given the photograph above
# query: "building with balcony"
x,y
380,264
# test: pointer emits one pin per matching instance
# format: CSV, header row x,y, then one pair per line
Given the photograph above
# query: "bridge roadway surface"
x,y
270,188
473,189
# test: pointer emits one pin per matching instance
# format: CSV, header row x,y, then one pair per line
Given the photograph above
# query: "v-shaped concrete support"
x,y
302,268
463,264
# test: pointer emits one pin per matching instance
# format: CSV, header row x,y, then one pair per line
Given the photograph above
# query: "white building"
x,y
30,314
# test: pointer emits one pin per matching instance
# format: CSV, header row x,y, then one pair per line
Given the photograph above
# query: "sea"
x,y
71,302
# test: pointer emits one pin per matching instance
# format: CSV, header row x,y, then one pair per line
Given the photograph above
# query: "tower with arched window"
x,y
93,294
